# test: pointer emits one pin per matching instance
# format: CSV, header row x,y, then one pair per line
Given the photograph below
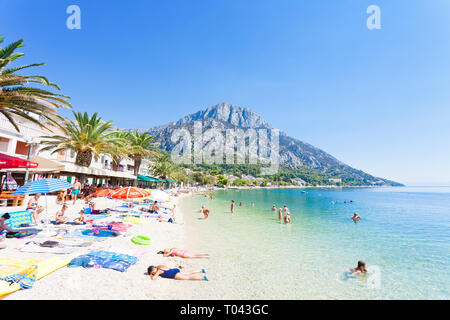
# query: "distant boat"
x,y
303,191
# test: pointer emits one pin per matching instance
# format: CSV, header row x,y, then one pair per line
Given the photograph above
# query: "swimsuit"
x,y
183,255
33,207
75,191
170,274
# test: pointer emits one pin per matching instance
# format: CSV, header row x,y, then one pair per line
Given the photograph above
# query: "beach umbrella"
x,y
159,195
130,193
103,193
43,186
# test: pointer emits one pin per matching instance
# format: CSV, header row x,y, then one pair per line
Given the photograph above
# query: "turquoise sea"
x,y
403,236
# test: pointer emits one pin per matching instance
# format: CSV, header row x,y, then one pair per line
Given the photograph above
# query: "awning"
x,y
10,162
147,178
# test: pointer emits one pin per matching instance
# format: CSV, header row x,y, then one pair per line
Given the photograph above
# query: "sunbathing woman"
x,y
175,252
175,273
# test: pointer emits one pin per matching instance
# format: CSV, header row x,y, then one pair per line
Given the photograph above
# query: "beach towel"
x,y
104,259
77,234
22,234
95,232
69,223
33,248
108,255
19,218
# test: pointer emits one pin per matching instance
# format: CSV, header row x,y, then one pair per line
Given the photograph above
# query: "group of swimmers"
x,y
285,210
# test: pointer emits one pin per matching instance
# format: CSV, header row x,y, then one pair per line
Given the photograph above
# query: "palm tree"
x,y
18,99
163,168
87,136
141,146
120,149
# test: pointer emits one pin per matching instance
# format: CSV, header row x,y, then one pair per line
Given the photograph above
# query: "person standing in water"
x,y
285,209
287,218
232,206
280,215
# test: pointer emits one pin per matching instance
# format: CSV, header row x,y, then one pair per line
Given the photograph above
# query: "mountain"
x,y
295,155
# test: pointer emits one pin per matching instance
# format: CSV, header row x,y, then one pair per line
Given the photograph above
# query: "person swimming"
x,y
361,269
174,273
356,218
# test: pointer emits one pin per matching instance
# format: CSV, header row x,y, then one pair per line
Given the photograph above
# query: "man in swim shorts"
x,y
76,190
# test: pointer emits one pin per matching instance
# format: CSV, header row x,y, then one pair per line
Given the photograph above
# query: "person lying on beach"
x,y
81,219
154,207
360,269
205,213
356,218
60,217
175,252
287,218
175,273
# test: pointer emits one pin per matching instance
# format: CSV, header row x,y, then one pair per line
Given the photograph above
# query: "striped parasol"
x,y
43,186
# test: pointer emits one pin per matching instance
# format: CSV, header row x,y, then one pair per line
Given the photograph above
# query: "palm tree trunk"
x,y
137,165
84,158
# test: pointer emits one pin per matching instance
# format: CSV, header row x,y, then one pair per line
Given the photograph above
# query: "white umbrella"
x,y
158,195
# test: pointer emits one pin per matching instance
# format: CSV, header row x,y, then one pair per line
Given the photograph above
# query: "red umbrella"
x,y
103,193
130,193
10,162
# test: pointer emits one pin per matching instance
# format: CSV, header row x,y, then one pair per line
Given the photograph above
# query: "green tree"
x,y
87,136
222,181
19,99
141,146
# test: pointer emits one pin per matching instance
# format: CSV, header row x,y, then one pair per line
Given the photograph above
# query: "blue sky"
x,y
376,99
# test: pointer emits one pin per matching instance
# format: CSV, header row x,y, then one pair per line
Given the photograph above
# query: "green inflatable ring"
x,y
141,240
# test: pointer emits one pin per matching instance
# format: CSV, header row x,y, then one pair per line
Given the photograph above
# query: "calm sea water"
x,y
404,237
